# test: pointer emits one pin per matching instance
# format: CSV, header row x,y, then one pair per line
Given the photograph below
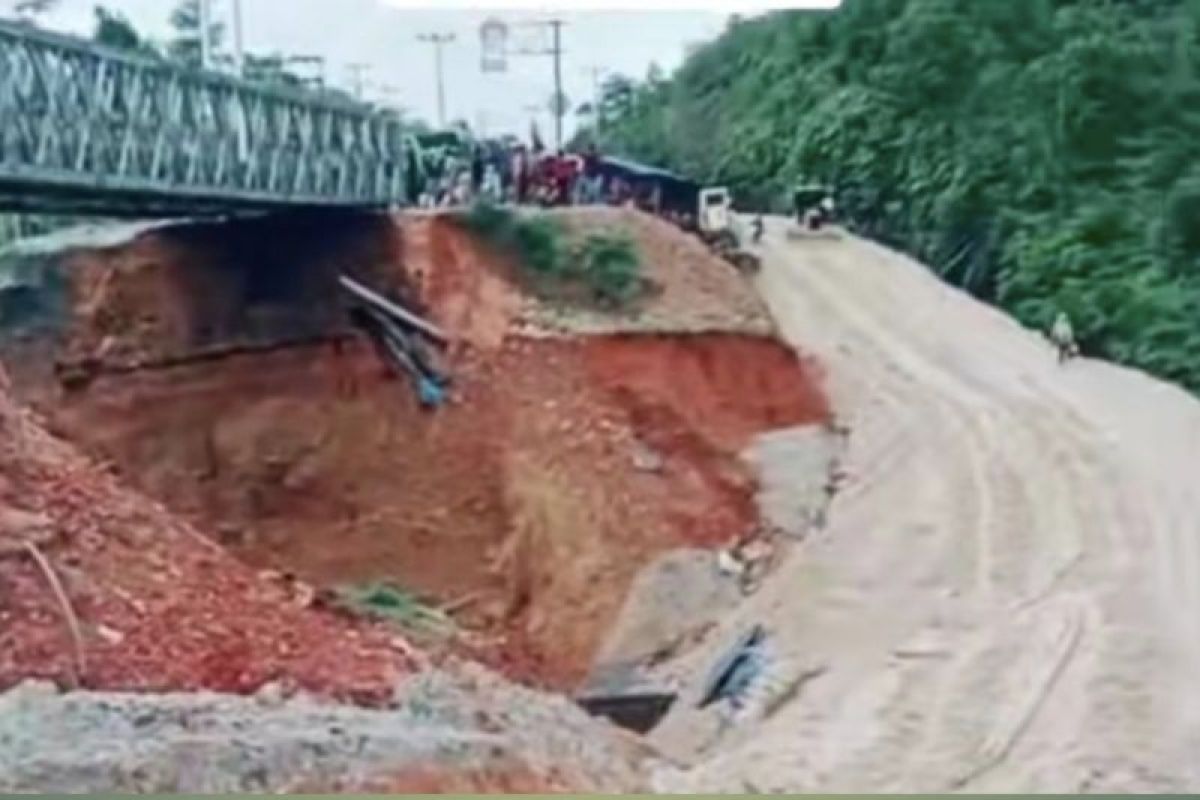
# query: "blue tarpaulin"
x,y
676,192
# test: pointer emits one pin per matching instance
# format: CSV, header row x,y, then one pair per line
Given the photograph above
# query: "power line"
x,y
438,40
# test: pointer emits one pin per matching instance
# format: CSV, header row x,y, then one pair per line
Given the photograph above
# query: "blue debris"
x,y
737,669
431,392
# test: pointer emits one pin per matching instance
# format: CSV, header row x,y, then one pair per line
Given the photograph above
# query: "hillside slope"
x,y
1006,597
1041,154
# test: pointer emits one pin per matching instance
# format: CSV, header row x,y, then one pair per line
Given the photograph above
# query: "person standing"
x,y
564,179
477,169
520,172
590,180
492,190
1062,335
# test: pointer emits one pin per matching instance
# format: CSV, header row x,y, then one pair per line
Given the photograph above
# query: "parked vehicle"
x,y
715,216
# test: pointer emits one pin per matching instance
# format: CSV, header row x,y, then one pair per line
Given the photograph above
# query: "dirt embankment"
x,y
158,606
182,292
241,400
561,468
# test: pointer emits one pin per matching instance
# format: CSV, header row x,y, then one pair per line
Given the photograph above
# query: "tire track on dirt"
x,y
1037,674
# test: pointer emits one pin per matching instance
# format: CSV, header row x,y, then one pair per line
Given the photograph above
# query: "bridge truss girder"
x,y
87,129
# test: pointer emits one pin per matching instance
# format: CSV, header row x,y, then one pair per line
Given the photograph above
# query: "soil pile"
x,y
158,606
695,291
474,289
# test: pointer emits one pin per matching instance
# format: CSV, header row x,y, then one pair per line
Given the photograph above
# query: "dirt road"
x,y
1006,597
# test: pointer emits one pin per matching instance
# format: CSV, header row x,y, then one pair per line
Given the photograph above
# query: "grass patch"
x,y
611,266
391,603
607,265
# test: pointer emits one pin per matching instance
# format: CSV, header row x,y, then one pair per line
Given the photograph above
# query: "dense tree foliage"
x,y
32,9
113,29
1043,154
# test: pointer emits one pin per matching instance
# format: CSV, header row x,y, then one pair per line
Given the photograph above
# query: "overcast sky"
x,y
372,32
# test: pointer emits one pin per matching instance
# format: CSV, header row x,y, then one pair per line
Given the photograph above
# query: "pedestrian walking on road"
x,y
1063,337
757,228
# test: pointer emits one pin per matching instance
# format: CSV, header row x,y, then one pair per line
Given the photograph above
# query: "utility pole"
x,y
438,40
239,51
559,110
357,71
205,34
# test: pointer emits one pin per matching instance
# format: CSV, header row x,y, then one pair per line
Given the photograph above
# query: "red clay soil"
x,y
725,388
561,467
159,607
468,287
472,289
524,498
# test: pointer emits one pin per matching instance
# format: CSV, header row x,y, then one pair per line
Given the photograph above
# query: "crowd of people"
x,y
517,173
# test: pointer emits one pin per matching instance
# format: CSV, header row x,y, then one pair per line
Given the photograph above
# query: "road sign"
x,y
493,43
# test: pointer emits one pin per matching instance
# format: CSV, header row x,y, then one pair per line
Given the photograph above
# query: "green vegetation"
x,y
113,29
606,264
1042,154
611,264
395,605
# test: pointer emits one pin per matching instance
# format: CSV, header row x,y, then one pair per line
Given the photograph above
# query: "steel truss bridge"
x,y
86,129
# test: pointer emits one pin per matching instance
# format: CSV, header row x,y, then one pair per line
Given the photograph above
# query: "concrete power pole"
x,y
239,50
438,40
205,9
559,110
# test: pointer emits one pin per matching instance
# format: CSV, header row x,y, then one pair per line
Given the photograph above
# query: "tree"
x,y
616,95
1039,154
31,9
113,29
